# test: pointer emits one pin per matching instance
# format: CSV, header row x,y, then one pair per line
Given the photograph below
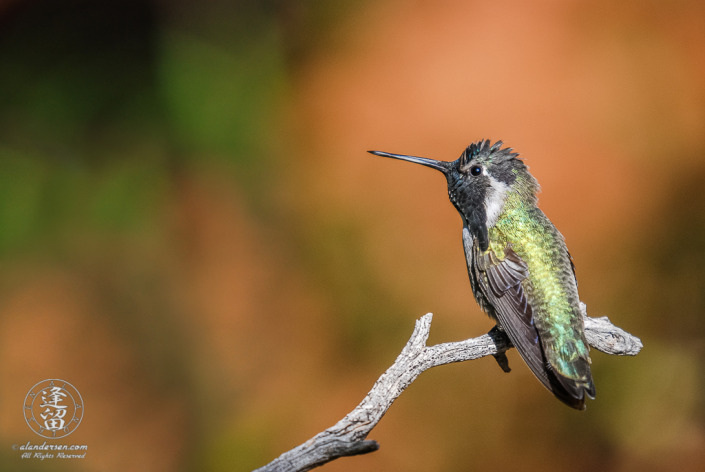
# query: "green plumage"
x,y
550,288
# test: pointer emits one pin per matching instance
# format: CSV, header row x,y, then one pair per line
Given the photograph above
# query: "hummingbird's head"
x,y
480,181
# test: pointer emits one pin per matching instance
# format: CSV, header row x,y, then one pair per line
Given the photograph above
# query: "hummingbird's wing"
x,y
498,288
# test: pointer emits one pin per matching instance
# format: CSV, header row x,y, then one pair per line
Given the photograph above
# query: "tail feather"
x,y
570,391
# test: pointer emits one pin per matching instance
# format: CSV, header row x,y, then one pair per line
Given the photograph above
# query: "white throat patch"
x,y
494,201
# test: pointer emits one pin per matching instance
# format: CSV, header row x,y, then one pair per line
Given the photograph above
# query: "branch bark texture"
x,y
348,436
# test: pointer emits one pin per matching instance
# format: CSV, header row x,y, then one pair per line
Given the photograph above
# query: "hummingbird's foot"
x,y
501,357
503,362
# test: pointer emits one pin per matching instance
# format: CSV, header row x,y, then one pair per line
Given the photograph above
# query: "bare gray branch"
x,y
347,437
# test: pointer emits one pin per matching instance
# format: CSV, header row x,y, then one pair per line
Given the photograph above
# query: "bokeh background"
x,y
192,233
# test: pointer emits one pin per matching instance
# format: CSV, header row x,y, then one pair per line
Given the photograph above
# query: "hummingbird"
x,y
521,272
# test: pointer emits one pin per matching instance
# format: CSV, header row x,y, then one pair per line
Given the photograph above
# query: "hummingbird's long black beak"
x,y
442,166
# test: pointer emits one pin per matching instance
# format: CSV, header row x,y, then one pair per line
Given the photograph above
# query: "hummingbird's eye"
x,y
476,170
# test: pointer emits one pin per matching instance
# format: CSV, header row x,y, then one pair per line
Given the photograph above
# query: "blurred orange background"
x,y
192,233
